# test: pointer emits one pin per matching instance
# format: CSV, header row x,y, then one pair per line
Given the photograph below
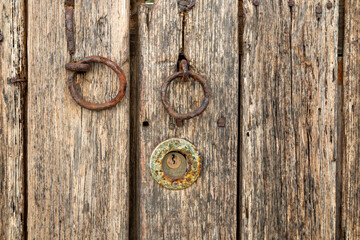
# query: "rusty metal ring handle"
x,y
83,66
179,116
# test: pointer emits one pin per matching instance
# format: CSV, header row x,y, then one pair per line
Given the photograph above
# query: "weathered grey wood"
x,y
351,153
77,159
206,210
288,121
12,64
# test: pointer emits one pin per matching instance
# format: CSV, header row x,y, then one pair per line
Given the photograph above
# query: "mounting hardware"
x,y
16,80
82,66
185,73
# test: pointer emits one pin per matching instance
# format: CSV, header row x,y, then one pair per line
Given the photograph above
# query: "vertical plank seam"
x,y
292,120
134,185
25,125
239,208
339,231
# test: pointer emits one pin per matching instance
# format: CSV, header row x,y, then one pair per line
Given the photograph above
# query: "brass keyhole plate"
x,y
175,164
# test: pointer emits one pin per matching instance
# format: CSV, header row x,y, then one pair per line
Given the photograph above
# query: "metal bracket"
x,y
69,23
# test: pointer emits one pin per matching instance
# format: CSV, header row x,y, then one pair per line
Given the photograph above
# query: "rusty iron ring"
x,y
180,116
81,66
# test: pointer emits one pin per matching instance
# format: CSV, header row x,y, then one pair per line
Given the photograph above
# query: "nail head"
x,y
318,10
221,122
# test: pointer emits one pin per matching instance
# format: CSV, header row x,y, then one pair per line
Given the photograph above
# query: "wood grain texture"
x,y
12,65
77,159
206,210
288,121
351,160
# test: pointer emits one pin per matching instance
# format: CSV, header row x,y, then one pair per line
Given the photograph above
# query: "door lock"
x,y
175,164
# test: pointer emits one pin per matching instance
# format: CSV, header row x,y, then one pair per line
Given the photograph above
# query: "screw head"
x,y
318,10
256,2
329,5
291,3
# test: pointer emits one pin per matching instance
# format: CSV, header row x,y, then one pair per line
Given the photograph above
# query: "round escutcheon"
x,y
175,164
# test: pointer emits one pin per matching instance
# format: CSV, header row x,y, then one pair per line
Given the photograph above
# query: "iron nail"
x,y
179,122
256,2
16,80
291,3
318,10
221,122
329,5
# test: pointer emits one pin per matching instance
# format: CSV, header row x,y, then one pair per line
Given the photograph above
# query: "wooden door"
x,y
278,142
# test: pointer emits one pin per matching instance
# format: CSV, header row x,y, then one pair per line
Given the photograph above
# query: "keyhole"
x,y
173,159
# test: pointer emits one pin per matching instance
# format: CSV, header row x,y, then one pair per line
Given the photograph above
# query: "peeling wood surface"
x,y
289,121
351,161
12,65
206,210
78,176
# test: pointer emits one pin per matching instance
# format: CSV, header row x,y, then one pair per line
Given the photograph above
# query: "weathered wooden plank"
x,y
12,65
206,210
288,121
314,73
77,159
351,153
